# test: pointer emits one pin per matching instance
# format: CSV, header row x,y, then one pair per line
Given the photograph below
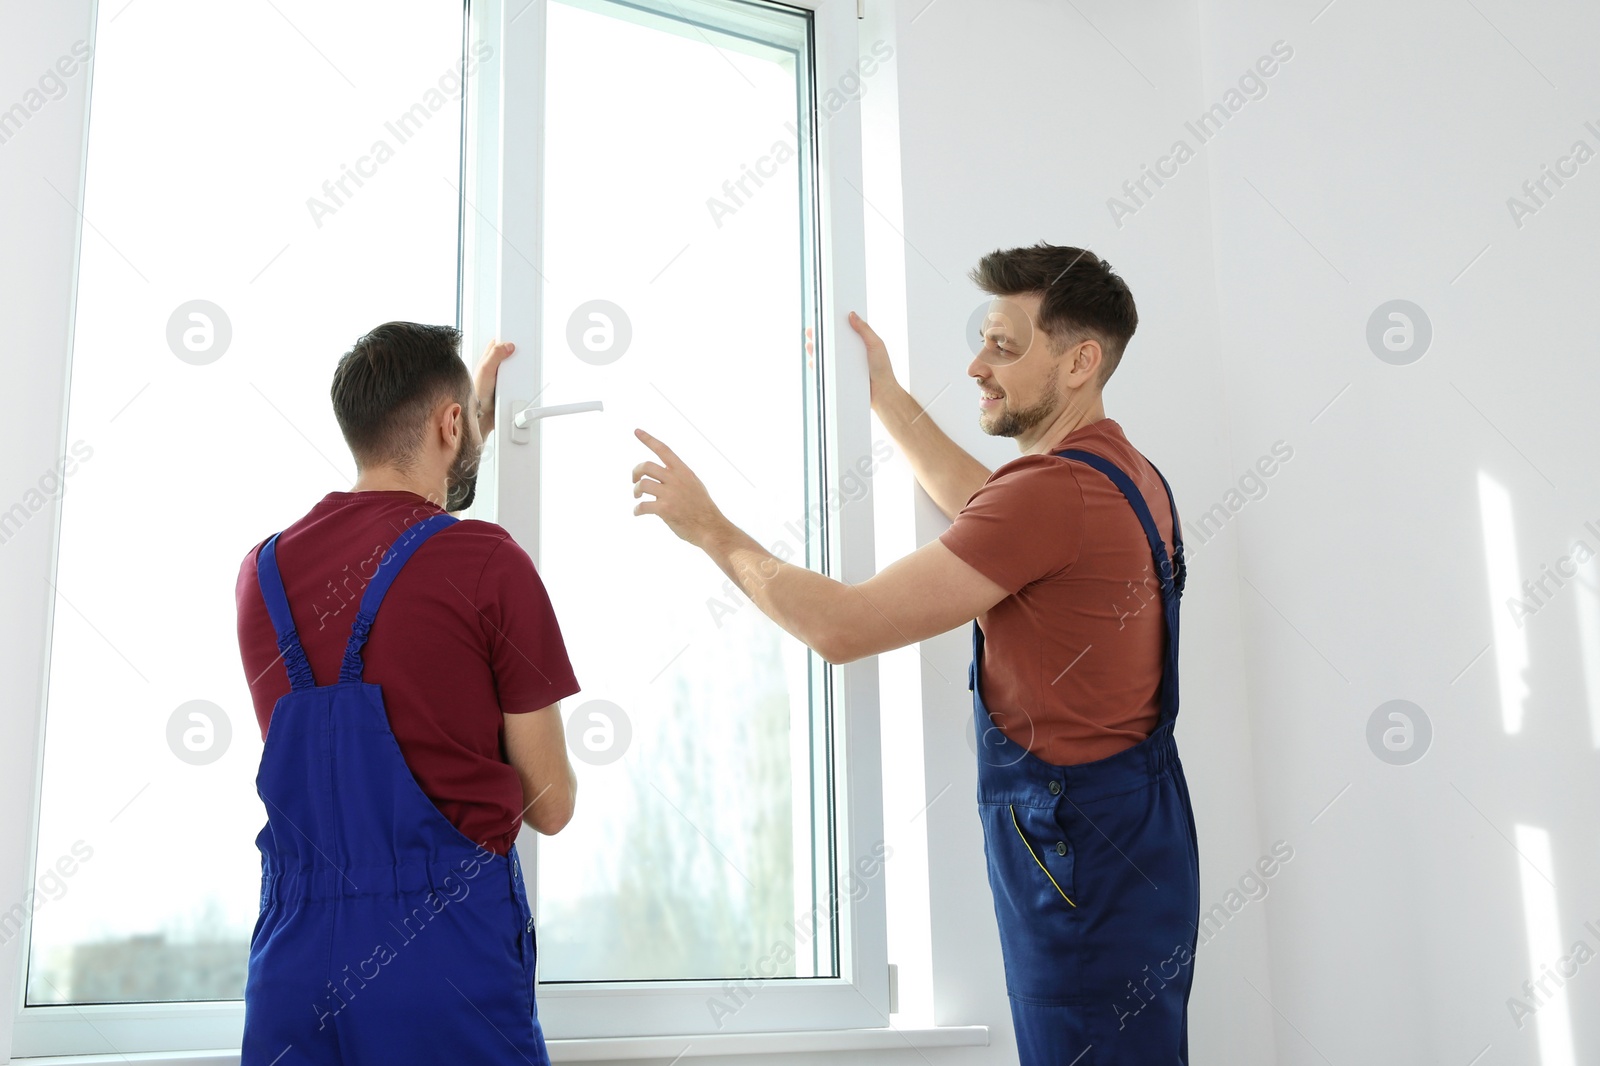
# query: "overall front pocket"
x,y
1059,850
1037,904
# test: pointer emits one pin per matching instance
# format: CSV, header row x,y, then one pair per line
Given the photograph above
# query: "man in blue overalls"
x,y
388,931
1089,836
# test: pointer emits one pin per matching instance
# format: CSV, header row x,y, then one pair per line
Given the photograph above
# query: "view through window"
x,y
264,184
679,264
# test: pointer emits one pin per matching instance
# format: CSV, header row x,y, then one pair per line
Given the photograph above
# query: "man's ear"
x,y
1087,358
447,422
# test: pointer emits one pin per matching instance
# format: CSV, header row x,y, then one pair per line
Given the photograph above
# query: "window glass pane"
x,y
680,279
293,165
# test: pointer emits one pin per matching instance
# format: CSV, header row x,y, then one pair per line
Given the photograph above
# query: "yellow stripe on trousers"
x,y
1035,856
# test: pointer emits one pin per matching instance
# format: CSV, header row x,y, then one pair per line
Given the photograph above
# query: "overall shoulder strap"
x,y
271,582
404,546
1180,569
1169,576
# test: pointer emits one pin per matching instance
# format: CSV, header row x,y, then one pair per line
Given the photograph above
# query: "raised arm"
x,y
946,472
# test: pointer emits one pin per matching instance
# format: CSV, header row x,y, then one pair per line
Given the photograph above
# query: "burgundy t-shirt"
x,y
1072,658
465,633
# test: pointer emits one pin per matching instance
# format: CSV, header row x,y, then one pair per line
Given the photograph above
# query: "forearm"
x,y
946,473
804,602
552,805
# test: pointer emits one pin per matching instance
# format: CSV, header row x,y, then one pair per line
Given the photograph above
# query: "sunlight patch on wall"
x,y
1510,641
1588,599
1554,1017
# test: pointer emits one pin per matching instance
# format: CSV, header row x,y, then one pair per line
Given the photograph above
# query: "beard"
x,y
1010,423
461,483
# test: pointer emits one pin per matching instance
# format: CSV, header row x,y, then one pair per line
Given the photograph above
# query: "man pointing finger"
x,y
1069,562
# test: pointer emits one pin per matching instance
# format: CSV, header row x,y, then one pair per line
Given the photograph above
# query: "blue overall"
x,y
385,935
1095,870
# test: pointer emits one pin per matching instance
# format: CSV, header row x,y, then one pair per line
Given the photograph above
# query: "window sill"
x,y
609,1049
656,1047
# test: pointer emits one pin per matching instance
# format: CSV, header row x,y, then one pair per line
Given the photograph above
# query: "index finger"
x,y
656,446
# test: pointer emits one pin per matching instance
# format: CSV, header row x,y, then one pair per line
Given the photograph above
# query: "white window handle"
x,y
524,418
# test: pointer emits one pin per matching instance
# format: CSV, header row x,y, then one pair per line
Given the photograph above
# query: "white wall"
x,y
1377,168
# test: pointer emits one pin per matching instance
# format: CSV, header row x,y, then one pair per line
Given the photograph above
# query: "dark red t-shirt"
x,y
465,633
1072,658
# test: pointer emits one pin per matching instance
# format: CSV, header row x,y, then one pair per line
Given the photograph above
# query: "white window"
x,y
676,212
726,871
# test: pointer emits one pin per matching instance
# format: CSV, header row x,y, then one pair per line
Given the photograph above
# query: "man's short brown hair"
x,y
387,383
1081,298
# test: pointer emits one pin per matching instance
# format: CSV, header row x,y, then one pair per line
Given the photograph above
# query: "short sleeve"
x,y
526,649
1025,523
